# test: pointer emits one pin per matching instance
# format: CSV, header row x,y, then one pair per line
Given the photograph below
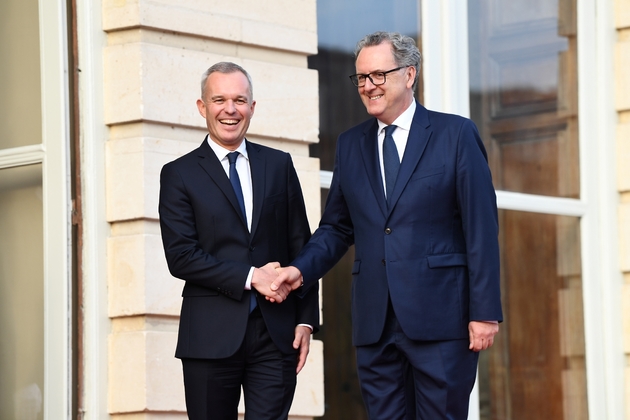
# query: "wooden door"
x,y
524,101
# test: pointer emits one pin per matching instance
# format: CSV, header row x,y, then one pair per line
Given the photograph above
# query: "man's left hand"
x,y
482,334
302,343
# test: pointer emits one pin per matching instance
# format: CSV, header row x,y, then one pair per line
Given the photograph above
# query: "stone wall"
x,y
622,104
155,54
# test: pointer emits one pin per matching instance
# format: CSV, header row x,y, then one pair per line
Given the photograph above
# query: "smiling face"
x,y
387,101
228,108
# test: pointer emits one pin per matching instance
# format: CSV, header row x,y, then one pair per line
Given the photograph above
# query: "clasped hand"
x,y
275,282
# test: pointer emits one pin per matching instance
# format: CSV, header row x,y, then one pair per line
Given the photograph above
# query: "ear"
x,y
253,107
411,74
201,106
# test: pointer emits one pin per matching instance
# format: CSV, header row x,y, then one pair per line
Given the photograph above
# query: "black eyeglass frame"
x,y
354,78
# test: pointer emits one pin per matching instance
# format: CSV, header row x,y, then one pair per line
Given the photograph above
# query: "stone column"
x,y
156,52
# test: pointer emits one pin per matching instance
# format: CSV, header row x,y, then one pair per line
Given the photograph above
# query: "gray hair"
x,y
226,67
404,49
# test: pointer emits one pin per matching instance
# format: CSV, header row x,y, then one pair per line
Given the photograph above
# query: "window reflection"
x,y
20,103
523,98
21,294
341,24
523,93
536,368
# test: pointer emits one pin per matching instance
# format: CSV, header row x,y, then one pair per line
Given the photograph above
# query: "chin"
x,y
374,112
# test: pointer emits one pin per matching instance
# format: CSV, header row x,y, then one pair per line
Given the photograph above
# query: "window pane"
x,y
536,368
341,24
21,294
20,95
523,92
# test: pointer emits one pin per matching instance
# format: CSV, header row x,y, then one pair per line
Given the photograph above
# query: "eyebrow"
x,y
224,97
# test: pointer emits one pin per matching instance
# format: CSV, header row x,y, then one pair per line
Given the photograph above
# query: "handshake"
x,y
275,282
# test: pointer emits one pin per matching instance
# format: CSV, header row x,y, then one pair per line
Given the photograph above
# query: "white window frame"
x,y
445,66
57,209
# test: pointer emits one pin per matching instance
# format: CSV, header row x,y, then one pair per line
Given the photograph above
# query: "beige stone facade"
x,y
622,104
154,55
153,60
108,317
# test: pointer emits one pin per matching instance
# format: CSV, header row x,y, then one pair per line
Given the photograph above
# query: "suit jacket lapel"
x,y
257,166
211,164
419,135
369,150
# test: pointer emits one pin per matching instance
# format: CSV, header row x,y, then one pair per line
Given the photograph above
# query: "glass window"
x,y
20,86
341,24
21,293
523,98
35,279
523,93
536,367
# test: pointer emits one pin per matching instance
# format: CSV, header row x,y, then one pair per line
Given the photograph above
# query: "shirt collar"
x,y
222,152
404,120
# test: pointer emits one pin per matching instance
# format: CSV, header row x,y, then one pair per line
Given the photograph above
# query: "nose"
x,y
368,84
229,106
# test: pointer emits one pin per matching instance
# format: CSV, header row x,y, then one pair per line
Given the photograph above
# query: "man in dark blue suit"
x,y
227,208
412,189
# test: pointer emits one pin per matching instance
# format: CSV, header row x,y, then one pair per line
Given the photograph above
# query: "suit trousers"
x,y
267,376
398,373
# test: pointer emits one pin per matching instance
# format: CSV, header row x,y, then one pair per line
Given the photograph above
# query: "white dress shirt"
x,y
245,176
244,173
400,135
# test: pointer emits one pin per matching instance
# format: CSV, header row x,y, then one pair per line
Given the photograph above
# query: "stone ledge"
x,y
624,237
145,377
287,25
623,158
138,278
625,310
143,374
133,176
622,76
622,14
287,97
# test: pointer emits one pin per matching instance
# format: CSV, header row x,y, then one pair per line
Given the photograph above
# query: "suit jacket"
x,y
207,244
434,251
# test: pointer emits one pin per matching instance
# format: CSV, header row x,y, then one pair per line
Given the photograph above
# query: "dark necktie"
x,y
236,184
391,162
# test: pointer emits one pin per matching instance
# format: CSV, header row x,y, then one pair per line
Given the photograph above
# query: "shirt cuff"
x,y
248,282
306,325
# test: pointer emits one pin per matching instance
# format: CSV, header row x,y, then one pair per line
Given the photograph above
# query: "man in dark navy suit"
x,y
412,189
226,209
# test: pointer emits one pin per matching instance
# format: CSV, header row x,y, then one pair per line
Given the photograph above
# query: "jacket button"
x,y
388,231
252,248
383,261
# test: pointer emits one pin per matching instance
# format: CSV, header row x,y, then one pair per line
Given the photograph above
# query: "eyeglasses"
x,y
377,78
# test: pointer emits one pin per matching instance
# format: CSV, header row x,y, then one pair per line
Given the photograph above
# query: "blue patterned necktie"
x,y
236,185
391,162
